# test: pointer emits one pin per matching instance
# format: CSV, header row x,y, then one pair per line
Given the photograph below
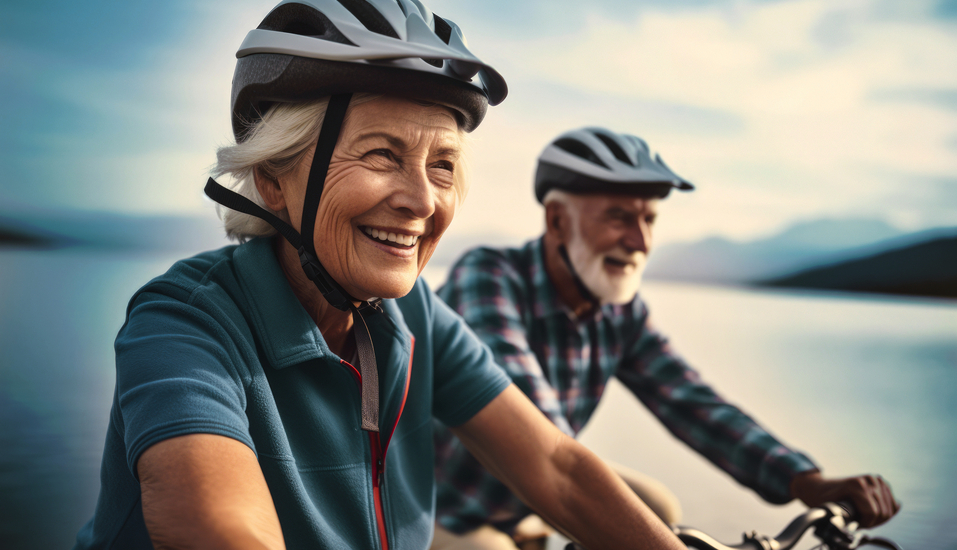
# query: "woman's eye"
x,y
444,165
382,153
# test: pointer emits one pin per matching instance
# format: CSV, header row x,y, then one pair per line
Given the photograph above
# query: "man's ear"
x,y
556,220
269,190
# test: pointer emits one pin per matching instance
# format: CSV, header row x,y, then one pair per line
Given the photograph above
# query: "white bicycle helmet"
x,y
596,160
307,49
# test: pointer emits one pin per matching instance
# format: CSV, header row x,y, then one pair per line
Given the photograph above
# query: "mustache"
x,y
636,259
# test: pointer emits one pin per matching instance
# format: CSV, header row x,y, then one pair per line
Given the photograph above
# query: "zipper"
x,y
378,452
378,467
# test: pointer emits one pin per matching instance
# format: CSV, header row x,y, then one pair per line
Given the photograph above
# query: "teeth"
x,y
407,240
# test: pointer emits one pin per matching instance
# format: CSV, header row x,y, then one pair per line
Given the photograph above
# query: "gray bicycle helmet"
x,y
596,160
307,49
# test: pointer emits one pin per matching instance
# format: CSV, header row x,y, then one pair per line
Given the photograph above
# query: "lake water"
x,y
860,384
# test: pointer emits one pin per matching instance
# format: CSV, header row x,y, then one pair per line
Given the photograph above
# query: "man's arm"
x,y
207,492
734,442
696,414
562,480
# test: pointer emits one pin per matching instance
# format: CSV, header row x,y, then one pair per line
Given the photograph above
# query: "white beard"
x,y
608,288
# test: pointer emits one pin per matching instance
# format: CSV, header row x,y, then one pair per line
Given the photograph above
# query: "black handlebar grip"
x,y
850,511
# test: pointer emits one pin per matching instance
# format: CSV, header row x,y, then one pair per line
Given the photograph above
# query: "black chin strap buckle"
x,y
336,296
331,291
310,266
371,306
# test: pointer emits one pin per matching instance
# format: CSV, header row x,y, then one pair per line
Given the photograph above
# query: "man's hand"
x,y
870,495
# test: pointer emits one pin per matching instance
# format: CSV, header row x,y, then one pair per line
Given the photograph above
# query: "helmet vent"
x,y
370,17
303,20
615,149
579,149
442,28
444,31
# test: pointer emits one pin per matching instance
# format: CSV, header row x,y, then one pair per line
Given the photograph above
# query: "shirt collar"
x,y
545,299
285,331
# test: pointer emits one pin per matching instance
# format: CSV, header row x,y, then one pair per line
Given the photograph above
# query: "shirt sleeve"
x,y
466,378
487,292
718,430
176,374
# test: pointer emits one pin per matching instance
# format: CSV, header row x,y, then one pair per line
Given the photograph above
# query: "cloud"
x,y
776,110
791,117
946,99
107,133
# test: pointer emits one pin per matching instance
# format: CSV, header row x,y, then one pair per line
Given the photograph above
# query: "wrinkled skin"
x,y
395,168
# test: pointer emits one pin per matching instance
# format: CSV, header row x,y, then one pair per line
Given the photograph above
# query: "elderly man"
x,y
562,315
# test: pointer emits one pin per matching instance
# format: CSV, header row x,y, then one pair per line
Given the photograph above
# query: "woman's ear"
x,y
269,190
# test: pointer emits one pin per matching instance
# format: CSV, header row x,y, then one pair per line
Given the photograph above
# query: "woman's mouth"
x,y
397,240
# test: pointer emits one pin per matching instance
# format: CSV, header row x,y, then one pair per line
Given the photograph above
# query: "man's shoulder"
x,y
512,260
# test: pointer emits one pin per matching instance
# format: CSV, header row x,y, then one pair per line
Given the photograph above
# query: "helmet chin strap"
x,y
579,284
331,290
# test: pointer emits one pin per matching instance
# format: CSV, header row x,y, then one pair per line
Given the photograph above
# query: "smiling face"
x,y
608,241
392,188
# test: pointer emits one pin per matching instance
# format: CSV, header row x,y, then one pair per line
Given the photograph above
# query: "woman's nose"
x,y
415,194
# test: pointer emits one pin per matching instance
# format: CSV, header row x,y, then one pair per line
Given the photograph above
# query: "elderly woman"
x,y
279,393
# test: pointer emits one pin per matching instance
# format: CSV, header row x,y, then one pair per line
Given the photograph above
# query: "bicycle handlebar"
x,y
832,524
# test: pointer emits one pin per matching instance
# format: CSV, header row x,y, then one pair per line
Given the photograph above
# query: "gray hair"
x,y
568,200
557,195
275,145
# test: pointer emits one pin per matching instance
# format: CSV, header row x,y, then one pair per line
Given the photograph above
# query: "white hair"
x,y
566,199
557,195
274,145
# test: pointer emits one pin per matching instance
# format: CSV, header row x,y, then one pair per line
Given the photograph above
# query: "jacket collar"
x,y
285,331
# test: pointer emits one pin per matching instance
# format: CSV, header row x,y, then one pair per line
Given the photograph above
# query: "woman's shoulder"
x,y
223,280
185,276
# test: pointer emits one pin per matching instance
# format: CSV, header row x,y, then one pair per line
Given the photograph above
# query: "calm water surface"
x,y
862,385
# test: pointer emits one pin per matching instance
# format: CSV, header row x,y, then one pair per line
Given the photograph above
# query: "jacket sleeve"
x,y
697,415
176,374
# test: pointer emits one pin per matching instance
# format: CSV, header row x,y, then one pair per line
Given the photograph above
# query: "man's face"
x,y
609,242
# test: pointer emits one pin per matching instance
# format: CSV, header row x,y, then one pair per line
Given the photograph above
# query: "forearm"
x,y
591,503
558,477
720,431
204,491
174,523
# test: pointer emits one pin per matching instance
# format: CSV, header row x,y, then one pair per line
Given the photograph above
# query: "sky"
x,y
779,111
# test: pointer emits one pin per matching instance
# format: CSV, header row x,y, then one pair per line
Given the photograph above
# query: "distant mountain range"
x,y
852,255
924,269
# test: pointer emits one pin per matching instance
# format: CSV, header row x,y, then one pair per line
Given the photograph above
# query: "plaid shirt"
x,y
563,364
